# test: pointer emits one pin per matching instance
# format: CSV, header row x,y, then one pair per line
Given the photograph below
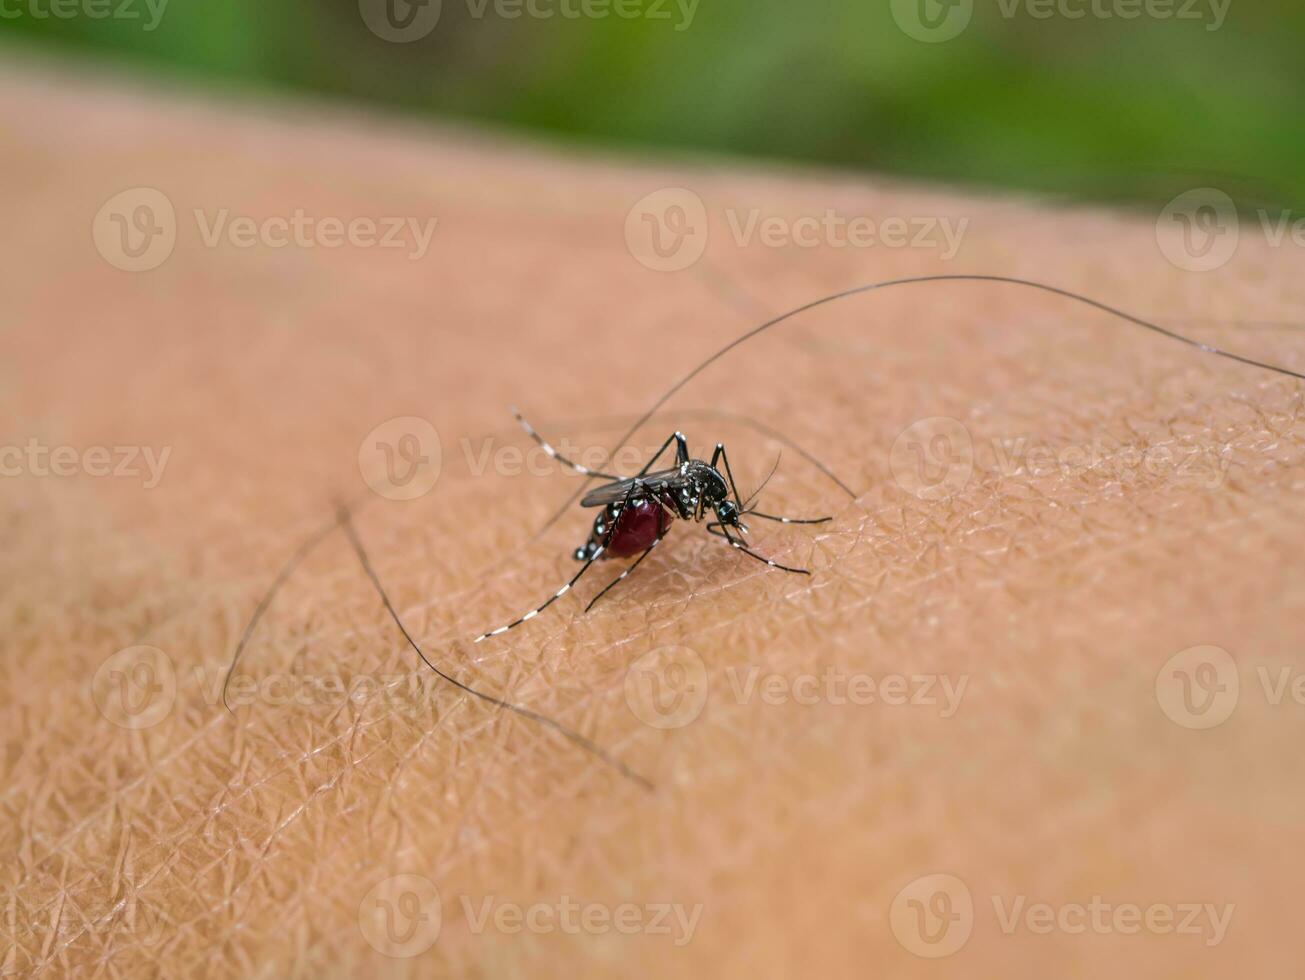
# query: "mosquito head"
x,y
728,515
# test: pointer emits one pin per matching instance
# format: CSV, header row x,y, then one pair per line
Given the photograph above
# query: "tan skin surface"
x,y
1128,499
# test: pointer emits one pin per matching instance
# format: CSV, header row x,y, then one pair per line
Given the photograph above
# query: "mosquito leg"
x,y
725,533
719,455
551,599
598,553
543,444
681,448
789,520
681,452
612,584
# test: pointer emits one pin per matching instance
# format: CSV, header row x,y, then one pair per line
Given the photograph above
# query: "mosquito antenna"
x,y
757,492
777,436
346,521
910,281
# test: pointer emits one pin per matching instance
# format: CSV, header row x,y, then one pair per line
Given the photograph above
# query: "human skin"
x,y
1128,499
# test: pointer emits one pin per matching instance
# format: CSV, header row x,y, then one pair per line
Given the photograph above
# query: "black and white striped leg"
x,y
544,445
593,557
724,532
620,578
681,452
789,520
719,455
552,599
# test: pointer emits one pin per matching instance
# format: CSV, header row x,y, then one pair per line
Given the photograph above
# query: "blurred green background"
x,y
1099,107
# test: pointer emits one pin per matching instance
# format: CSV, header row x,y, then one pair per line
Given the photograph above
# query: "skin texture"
x,y
1054,583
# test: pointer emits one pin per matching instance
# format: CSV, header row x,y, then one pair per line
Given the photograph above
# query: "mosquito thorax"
x,y
710,484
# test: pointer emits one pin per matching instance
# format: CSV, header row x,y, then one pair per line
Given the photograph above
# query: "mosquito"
x,y
638,511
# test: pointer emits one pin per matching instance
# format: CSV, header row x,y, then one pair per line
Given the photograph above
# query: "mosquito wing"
x,y
648,485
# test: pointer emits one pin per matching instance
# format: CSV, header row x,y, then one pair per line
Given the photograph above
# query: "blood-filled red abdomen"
x,y
640,524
